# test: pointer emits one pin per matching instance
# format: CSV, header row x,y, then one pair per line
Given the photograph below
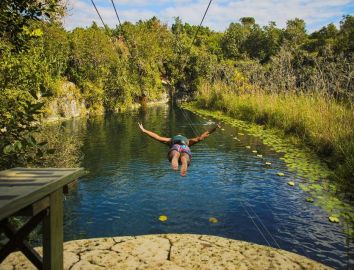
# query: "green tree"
x,y
233,40
248,21
295,32
91,54
345,39
272,40
56,49
254,45
16,17
322,40
24,77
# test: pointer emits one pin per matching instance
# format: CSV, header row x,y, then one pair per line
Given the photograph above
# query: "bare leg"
x,y
174,156
184,161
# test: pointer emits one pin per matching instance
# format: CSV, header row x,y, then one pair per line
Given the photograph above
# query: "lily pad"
x,y
333,219
300,160
163,218
291,183
310,200
213,220
280,174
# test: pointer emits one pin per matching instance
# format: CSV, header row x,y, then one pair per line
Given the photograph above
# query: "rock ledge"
x,y
170,251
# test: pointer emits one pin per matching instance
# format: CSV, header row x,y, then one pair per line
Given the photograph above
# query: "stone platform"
x,y
169,252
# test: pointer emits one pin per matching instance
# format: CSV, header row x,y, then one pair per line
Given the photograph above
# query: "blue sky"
x,y
316,13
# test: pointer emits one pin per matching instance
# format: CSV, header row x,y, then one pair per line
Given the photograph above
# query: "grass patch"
x,y
312,119
301,160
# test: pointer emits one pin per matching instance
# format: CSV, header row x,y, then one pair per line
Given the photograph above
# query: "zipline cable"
x,y
134,56
259,230
262,225
121,28
184,113
200,25
114,6
99,15
185,62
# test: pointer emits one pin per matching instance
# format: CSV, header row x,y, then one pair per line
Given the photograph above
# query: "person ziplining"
x,y
179,152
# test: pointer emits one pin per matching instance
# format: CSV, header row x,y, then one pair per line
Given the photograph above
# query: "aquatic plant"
x,y
299,159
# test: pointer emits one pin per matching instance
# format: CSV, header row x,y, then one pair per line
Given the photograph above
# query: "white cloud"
x,y
316,13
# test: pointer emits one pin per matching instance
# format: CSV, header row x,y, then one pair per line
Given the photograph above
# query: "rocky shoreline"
x,y
169,251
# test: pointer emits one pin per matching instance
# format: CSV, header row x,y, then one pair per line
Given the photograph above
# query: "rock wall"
x,y
66,103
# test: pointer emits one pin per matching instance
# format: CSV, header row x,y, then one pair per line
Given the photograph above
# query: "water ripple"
x,y
131,184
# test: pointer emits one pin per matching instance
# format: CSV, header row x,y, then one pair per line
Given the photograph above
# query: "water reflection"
x,y
131,184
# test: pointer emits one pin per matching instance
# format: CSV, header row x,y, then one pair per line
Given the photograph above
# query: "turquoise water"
x,y
130,185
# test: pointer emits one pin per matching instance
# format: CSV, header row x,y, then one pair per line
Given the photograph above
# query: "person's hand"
x,y
205,135
141,127
214,128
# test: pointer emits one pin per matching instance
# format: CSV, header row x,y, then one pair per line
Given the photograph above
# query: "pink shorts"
x,y
181,149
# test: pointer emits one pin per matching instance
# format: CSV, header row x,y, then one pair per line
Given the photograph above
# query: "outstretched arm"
x,y
203,136
154,135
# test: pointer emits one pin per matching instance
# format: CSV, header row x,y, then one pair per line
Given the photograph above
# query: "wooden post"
x,y
53,233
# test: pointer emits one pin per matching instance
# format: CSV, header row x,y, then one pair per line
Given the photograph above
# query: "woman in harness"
x,y
179,152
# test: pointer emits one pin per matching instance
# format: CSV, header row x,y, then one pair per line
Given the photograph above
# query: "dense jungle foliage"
x,y
286,78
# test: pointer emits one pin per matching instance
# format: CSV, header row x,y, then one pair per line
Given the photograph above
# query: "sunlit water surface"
x,y
130,185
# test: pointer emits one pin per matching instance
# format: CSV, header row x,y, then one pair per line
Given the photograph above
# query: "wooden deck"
x,y
37,193
20,187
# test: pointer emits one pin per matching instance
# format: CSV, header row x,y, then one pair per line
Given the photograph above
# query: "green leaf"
x,y
333,219
31,141
18,145
163,218
310,200
36,107
42,143
213,220
33,94
47,94
8,149
37,33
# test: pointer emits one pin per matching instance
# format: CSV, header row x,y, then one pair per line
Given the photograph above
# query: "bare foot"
x,y
174,163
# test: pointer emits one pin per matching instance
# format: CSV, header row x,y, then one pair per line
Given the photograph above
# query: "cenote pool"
x,y
130,185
